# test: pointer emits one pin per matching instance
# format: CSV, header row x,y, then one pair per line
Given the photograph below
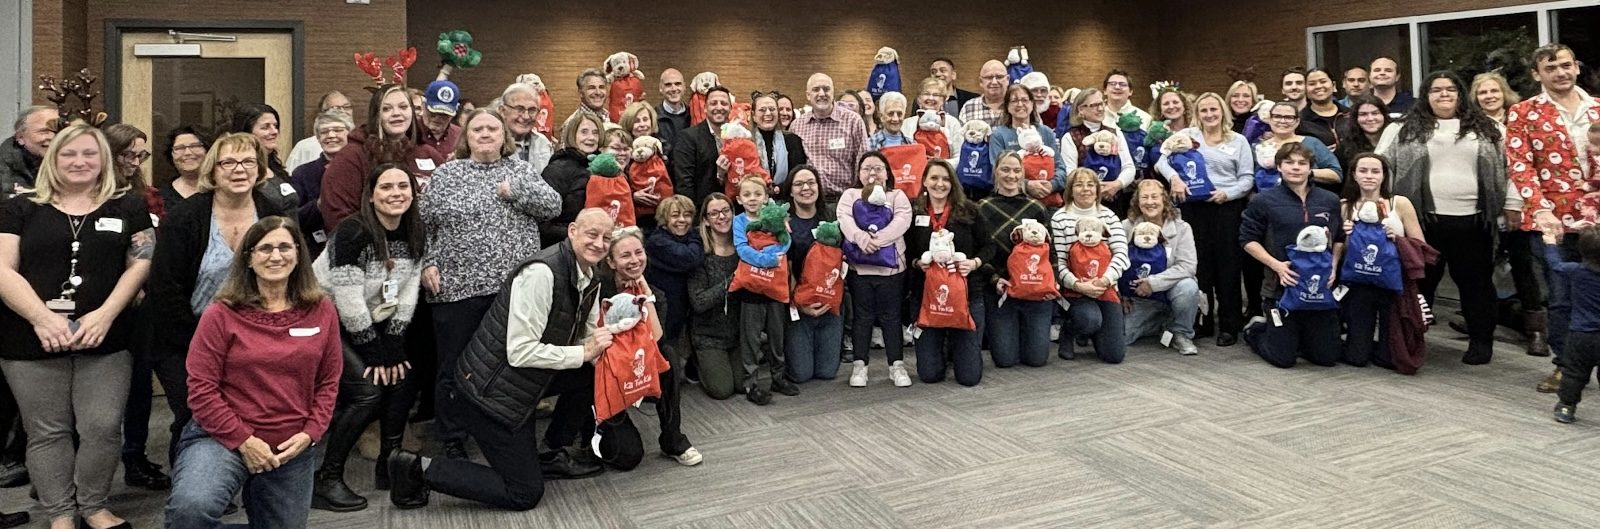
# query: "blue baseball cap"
x,y
442,97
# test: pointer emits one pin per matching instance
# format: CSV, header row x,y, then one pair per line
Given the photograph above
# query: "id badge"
x,y
391,291
64,306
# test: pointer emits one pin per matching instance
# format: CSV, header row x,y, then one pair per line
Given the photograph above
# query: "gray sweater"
x,y
474,236
1182,259
1230,165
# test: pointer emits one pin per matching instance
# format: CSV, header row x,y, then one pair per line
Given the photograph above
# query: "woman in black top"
x,y
73,254
184,150
568,172
816,339
261,121
781,151
944,205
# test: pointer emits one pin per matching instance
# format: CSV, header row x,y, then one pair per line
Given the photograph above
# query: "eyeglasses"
x,y
806,184
1101,104
329,131
1284,117
1116,84
871,169
724,212
136,157
201,147
229,165
266,250
513,111
345,107
993,78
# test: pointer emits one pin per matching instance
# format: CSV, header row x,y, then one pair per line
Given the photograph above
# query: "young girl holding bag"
x,y
876,289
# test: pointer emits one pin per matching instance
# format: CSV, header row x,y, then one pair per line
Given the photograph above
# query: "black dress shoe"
x,y
1226,339
1478,353
757,395
454,450
13,474
140,472
13,519
559,464
782,386
406,488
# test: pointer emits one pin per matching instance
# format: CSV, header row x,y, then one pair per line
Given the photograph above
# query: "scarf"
x,y
779,167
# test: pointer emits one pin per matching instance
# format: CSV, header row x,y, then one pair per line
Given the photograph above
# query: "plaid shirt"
x,y
977,109
833,144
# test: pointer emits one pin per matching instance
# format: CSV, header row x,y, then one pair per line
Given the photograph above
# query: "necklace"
x,y
70,286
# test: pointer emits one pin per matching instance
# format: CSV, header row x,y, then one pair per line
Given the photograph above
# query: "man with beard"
x,y
1293,85
697,164
21,154
672,116
519,105
992,77
593,92
834,139
1385,85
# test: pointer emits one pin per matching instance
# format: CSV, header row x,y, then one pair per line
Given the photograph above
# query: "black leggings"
x,y
361,402
1466,248
1216,239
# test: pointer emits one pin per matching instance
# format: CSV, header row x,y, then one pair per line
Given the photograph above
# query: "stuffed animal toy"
x,y
455,51
1190,166
1101,155
1089,258
701,84
766,273
743,157
1311,259
1031,275
648,170
885,73
772,218
627,85
541,121
930,133
1017,63
872,214
942,249
1371,257
823,276
628,371
973,167
1038,162
1259,125
1267,175
607,190
1134,135
1153,139
1146,258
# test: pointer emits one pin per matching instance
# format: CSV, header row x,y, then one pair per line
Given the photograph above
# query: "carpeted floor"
x,y
1161,441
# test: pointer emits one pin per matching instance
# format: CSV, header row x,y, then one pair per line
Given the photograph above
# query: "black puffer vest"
x,y
484,375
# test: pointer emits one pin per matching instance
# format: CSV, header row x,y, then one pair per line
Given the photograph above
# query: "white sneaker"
x,y
689,458
1055,332
858,374
897,372
877,338
1184,346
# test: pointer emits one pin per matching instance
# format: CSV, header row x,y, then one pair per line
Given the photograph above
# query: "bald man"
x,y
538,339
833,139
672,116
988,109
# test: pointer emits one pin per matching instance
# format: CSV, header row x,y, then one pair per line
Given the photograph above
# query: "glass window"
x,y
1338,51
1471,46
1579,28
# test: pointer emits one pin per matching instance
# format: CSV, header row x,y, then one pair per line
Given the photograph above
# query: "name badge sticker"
x,y
113,225
835,144
425,164
921,221
302,332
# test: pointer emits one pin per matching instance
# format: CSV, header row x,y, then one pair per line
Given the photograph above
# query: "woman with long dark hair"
x,y
261,121
943,206
391,134
1449,159
1360,134
1366,307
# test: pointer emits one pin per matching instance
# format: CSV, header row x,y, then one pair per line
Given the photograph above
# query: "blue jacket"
x,y
1002,139
1275,217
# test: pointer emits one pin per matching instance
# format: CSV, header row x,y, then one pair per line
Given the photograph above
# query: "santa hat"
x,y
1034,81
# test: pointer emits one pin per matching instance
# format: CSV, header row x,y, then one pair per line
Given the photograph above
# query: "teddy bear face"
x,y
620,64
1312,239
1266,155
532,80
733,129
1178,143
1029,140
1146,235
645,147
703,82
929,120
941,247
1029,232
623,311
1104,142
975,131
1091,230
1367,212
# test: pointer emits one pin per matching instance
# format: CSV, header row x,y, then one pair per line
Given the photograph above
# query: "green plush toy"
x,y
772,218
828,233
455,51
604,164
1158,133
1129,121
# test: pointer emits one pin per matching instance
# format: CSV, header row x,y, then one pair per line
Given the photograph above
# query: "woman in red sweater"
x,y
264,371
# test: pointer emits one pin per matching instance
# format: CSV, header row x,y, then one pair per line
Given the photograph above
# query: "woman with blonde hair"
x,y
639,119
1243,103
1493,95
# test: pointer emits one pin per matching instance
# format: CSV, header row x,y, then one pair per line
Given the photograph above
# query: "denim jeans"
x,y
965,347
1176,315
1560,298
1101,321
814,344
207,475
1019,330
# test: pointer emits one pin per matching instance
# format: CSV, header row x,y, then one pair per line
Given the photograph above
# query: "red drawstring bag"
x,y
613,194
1031,276
650,173
822,278
944,301
1089,262
743,160
541,121
1042,166
629,369
770,282
625,91
935,142
906,163
697,108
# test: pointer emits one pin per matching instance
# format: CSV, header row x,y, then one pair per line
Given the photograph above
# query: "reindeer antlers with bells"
x,y
379,69
78,88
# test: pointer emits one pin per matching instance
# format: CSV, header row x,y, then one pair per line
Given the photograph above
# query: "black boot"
x,y
13,519
140,472
380,471
329,493
407,490
13,473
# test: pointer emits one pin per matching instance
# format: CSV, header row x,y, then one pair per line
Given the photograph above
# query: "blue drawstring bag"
x,y
973,168
1312,292
1108,168
1063,120
1191,167
1267,178
1141,153
1143,263
885,73
1371,258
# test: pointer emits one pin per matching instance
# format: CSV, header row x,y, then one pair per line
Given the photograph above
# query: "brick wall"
x,y
767,45
59,31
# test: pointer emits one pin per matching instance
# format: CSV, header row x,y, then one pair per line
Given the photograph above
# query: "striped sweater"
x,y
1064,231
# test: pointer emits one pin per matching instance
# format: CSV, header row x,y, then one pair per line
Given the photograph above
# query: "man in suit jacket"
x,y
944,69
697,162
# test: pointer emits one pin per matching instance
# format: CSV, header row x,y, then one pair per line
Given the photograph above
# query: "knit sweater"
x,y
475,237
715,323
1064,232
354,275
997,216
265,374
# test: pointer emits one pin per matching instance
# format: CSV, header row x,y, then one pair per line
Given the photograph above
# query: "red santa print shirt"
x,y
1543,158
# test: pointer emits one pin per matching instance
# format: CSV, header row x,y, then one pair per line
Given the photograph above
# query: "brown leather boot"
x,y
1534,324
1550,384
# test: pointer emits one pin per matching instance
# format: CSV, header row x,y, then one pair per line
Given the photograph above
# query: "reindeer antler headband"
x,y
379,69
78,88
1247,74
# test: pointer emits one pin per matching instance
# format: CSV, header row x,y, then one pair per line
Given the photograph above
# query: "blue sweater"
x,y
1585,288
1003,139
764,258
